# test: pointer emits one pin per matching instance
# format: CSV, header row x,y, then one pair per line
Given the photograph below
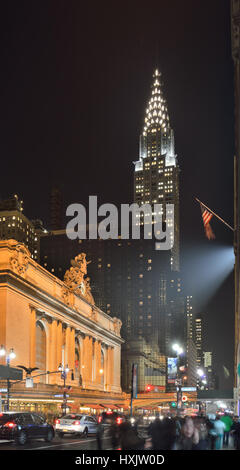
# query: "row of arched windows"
x,y
41,356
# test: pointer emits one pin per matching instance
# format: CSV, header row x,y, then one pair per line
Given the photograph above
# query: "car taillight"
x,y
119,420
76,423
10,424
100,419
57,421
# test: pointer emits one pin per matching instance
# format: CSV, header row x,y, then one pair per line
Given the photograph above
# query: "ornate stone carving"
x,y
20,259
94,315
88,294
66,295
117,325
75,279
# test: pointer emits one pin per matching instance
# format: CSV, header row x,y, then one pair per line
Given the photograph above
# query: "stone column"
x,y
72,350
116,368
81,354
111,366
67,346
32,352
59,342
53,363
87,360
97,353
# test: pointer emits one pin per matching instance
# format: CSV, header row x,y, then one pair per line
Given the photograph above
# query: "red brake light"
x,y
109,412
57,421
119,420
100,419
9,424
76,422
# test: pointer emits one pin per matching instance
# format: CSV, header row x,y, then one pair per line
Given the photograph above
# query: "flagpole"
x,y
204,205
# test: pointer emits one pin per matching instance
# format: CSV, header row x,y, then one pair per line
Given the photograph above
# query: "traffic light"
x,y
173,404
148,388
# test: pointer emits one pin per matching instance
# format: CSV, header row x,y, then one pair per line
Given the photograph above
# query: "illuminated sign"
x,y
172,369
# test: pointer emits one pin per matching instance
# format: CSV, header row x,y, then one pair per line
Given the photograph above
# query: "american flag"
x,y
206,216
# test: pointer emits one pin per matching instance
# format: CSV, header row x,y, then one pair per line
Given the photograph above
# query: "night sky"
x,y
75,79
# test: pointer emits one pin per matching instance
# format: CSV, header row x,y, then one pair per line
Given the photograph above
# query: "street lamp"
x,y
178,350
9,356
202,376
64,371
200,373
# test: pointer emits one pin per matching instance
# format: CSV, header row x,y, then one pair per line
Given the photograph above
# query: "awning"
x,y
112,407
92,405
147,407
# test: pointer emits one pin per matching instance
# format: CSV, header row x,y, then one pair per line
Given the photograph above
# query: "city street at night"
x,y
119,232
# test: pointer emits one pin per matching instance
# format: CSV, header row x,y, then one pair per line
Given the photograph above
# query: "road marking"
x,y
65,444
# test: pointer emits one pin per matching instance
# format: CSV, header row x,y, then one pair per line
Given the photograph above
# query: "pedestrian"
x,y
189,437
212,435
228,424
201,424
219,427
235,430
154,431
168,434
114,434
129,440
99,435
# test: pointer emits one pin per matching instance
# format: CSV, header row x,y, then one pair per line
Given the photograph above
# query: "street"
x,y
67,443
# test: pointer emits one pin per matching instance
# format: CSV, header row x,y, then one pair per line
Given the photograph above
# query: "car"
x,y
22,426
76,424
107,418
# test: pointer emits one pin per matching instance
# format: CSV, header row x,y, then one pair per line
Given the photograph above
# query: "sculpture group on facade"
x,y
75,277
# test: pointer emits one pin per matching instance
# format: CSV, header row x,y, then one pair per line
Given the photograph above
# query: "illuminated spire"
x,y
156,115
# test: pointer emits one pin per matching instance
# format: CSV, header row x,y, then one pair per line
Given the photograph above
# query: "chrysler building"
x,y
156,176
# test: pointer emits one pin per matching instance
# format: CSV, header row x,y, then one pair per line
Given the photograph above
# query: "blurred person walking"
x,y
235,430
189,437
228,424
99,435
128,438
201,423
219,427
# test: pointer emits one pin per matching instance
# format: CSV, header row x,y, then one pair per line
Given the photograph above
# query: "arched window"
x,y
77,360
41,349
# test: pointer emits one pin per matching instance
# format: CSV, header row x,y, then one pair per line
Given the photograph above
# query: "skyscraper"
x,y
198,338
156,176
15,225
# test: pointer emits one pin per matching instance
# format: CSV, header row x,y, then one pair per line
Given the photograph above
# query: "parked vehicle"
x,y
21,426
76,424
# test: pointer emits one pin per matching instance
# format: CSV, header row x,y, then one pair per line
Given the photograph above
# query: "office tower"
x,y
56,209
14,224
198,338
190,346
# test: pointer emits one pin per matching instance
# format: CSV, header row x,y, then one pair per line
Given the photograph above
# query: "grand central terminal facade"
x,y
51,325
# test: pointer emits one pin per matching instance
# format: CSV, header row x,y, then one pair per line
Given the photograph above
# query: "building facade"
x,y
50,322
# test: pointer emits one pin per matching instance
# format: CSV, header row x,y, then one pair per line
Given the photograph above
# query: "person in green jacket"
x,y
228,424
